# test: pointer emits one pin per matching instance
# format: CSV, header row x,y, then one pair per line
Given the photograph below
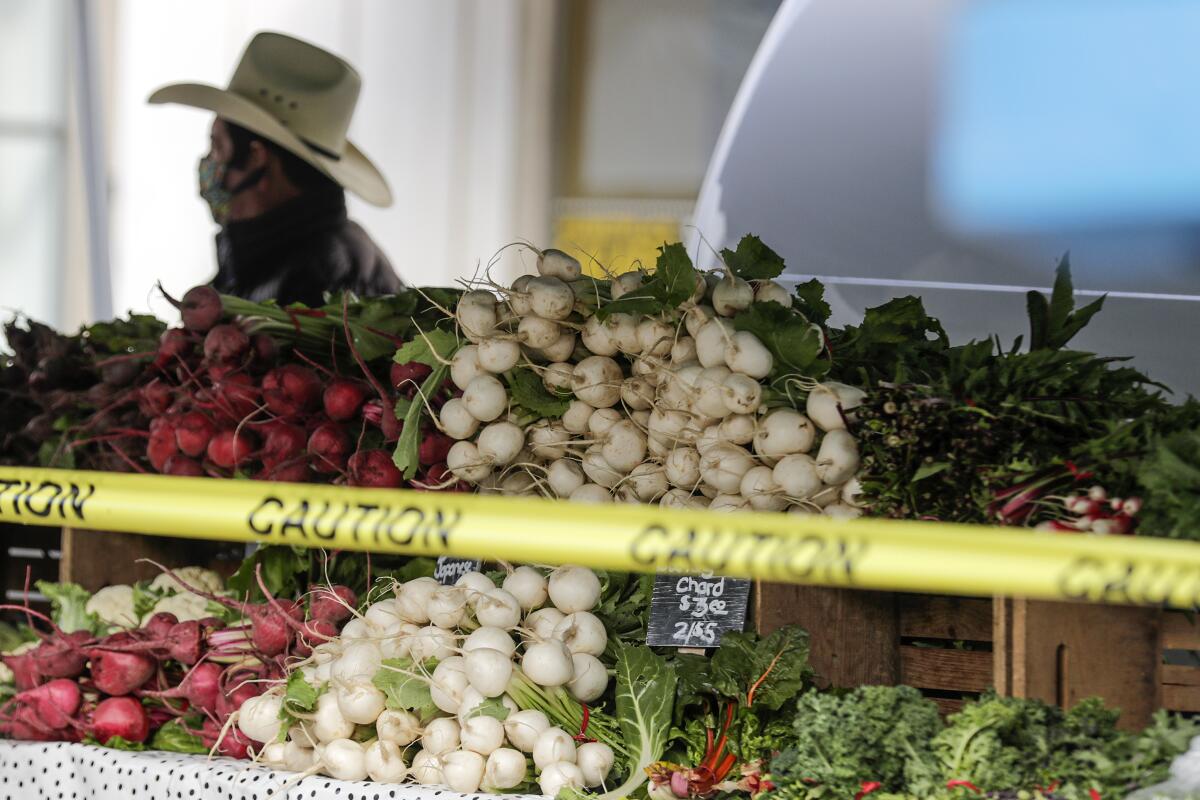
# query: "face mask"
x,y
213,190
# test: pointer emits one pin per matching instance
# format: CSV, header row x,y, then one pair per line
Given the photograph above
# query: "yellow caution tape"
x,y
866,553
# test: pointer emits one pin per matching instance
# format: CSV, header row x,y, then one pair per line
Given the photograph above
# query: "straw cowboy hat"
x,y
301,98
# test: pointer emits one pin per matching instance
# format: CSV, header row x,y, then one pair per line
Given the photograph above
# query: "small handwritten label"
x,y
695,610
449,570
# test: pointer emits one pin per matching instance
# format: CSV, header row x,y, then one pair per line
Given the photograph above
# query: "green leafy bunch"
x,y
872,733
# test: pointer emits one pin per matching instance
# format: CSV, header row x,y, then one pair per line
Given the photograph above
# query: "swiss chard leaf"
x,y
528,392
645,700
753,260
762,672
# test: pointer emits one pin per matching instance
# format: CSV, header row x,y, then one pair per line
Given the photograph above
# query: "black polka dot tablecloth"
x,y
61,771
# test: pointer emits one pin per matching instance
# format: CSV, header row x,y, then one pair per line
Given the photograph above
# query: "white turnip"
x,y
384,762
573,588
590,678
837,457
528,586
547,664
505,769
482,734
745,354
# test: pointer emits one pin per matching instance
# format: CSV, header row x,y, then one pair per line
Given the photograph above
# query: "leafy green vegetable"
x,y
762,672
13,636
431,348
284,570
810,301
403,689
897,341
173,737
872,733
672,282
998,743
68,603
1052,324
645,700
753,260
491,707
300,695
796,344
1170,477
116,743
528,392
406,456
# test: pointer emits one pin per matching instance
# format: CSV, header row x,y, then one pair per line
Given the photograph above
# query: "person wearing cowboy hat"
x,y
276,174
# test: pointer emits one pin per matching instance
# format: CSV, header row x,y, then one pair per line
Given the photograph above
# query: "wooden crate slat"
x,y
947,706
1181,698
853,634
96,559
941,617
1062,653
1180,675
954,670
1180,631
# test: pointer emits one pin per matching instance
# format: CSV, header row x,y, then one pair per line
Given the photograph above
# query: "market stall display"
x,y
700,390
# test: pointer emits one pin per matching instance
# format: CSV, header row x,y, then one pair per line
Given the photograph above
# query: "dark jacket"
x,y
299,251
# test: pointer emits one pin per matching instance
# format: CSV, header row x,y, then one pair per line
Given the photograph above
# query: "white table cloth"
x,y
61,771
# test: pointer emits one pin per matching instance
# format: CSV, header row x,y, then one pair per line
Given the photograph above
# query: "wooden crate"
x,y
95,559
1137,659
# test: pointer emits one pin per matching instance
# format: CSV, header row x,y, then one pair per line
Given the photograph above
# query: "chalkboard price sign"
x,y
695,610
449,570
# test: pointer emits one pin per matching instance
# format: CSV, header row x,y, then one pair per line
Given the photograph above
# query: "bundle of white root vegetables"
x,y
473,686
673,405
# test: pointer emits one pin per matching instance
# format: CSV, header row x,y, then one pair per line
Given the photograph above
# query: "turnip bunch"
x,y
634,390
472,686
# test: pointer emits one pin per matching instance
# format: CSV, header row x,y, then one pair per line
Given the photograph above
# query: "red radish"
x,y
330,447
315,632
331,603
231,449
230,700
372,412
55,703
173,344
161,446
374,469
294,471
266,349
237,392
201,687
200,308
225,344
120,716
283,442
271,624
231,743
24,669
116,673
291,390
343,398
61,656
193,432
160,624
434,447
407,377
182,467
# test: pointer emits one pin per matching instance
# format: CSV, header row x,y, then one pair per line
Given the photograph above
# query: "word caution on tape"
x,y
866,553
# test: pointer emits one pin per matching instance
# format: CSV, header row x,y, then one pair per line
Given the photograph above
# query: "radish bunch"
x,y
507,670
675,407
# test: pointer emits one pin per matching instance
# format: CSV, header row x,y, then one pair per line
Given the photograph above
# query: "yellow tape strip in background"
x,y
867,553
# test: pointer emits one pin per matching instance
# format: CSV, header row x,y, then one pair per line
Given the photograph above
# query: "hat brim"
x,y
353,170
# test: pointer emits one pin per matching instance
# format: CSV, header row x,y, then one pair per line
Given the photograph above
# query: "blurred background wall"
x,y
583,122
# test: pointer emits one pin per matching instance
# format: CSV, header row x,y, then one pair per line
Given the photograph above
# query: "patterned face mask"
x,y
214,191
